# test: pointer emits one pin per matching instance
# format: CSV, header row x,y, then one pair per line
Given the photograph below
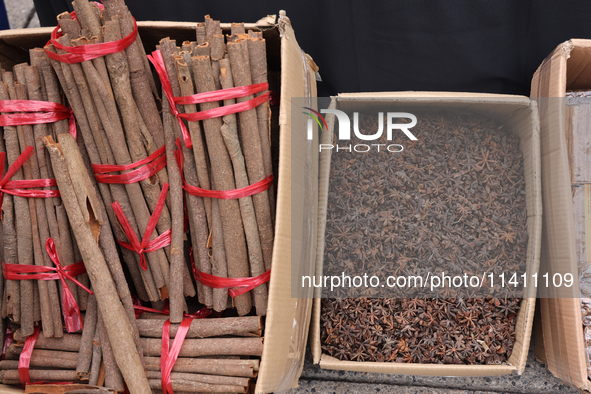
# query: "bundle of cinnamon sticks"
x,y
215,357
27,223
131,183
228,153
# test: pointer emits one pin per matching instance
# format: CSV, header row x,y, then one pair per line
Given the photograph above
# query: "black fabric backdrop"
x,y
491,46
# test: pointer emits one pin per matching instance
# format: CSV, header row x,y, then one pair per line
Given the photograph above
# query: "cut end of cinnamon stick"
x,y
51,144
82,375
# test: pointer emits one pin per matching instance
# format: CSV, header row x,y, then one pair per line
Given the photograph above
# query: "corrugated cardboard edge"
x,y
525,319
561,318
281,309
323,179
266,22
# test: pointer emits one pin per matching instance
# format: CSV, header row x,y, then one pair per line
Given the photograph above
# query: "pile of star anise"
x,y
453,201
473,331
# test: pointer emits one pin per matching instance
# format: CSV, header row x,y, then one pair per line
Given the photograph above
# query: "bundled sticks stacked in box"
x,y
208,361
27,223
94,177
222,159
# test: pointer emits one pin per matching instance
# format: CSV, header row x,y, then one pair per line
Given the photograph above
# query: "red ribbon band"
x,y
71,311
146,245
218,282
242,284
168,356
151,165
25,358
15,188
44,112
88,52
206,97
24,361
247,191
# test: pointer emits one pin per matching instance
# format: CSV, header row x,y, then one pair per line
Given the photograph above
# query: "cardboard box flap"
x,y
566,68
288,318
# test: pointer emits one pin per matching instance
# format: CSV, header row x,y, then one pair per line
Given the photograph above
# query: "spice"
x,y
452,201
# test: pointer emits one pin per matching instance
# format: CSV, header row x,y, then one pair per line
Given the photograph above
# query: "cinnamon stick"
x,y
202,328
40,363
209,347
212,27
65,248
67,343
257,56
84,185
118,329
97,358
251,143
86,345
193,377
118,8
208,366
197,387
13,352
11,303
72,388
230,134
48,225
177,261
22,221
200,167
200,32
113,377
218,49
234,240
203,49
140,77
237,28
182,83
219,263
53,375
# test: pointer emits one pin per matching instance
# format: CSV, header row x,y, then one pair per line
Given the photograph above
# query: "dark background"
x,y
490,46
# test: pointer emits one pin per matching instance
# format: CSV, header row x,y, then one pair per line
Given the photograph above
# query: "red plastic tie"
x,y
169,356
206,97
247,191
151,165
71,311
218,282
15,187
88,52
147,245
243,284
43,112
8,339
25,358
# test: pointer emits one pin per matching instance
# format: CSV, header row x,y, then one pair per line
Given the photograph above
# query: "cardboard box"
x,y
568,67
287,321
521,116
